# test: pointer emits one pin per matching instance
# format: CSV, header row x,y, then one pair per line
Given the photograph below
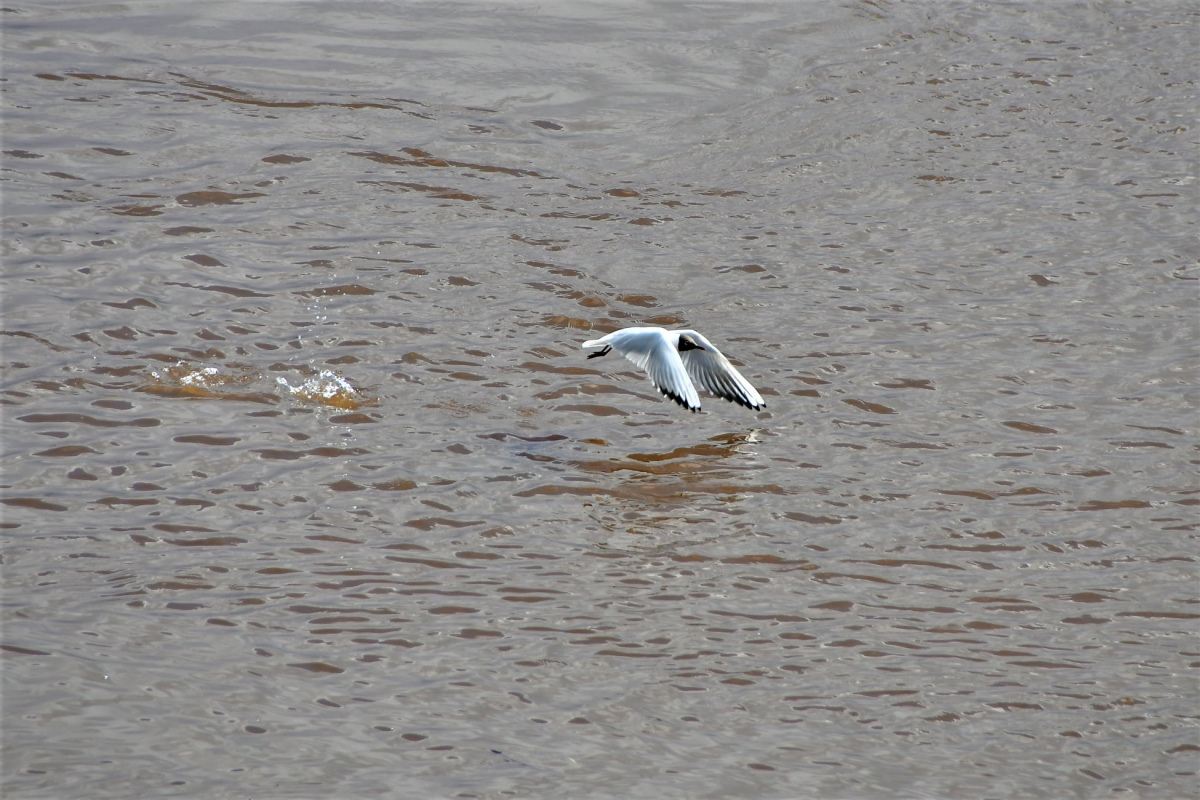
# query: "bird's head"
x,y
686,342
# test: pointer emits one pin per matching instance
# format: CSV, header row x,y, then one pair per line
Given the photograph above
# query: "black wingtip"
x,y
678,399
743,402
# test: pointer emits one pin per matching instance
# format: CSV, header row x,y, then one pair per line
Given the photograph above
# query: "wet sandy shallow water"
x,y
309,490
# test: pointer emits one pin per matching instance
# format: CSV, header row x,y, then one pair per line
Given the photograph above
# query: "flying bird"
x,y
669,357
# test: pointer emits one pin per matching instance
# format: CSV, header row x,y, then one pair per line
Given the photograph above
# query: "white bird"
x,y
669,357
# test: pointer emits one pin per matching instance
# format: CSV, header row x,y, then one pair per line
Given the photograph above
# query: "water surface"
x,y
310,491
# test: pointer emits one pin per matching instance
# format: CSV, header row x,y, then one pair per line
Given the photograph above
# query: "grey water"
x,y
310,491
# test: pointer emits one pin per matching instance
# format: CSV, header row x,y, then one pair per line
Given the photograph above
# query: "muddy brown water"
x,y
309,490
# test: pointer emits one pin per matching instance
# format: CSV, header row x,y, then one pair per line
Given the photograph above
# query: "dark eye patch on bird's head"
x,y
688,343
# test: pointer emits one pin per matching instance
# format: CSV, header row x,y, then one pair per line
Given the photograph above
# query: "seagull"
x,y
669,357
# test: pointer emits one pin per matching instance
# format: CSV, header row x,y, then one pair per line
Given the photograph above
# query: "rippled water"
x,y
309,490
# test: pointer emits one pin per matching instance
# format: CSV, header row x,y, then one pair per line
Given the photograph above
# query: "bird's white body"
x,y
674,359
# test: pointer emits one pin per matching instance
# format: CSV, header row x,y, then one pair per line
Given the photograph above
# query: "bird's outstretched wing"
x,y
654,351
709,368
